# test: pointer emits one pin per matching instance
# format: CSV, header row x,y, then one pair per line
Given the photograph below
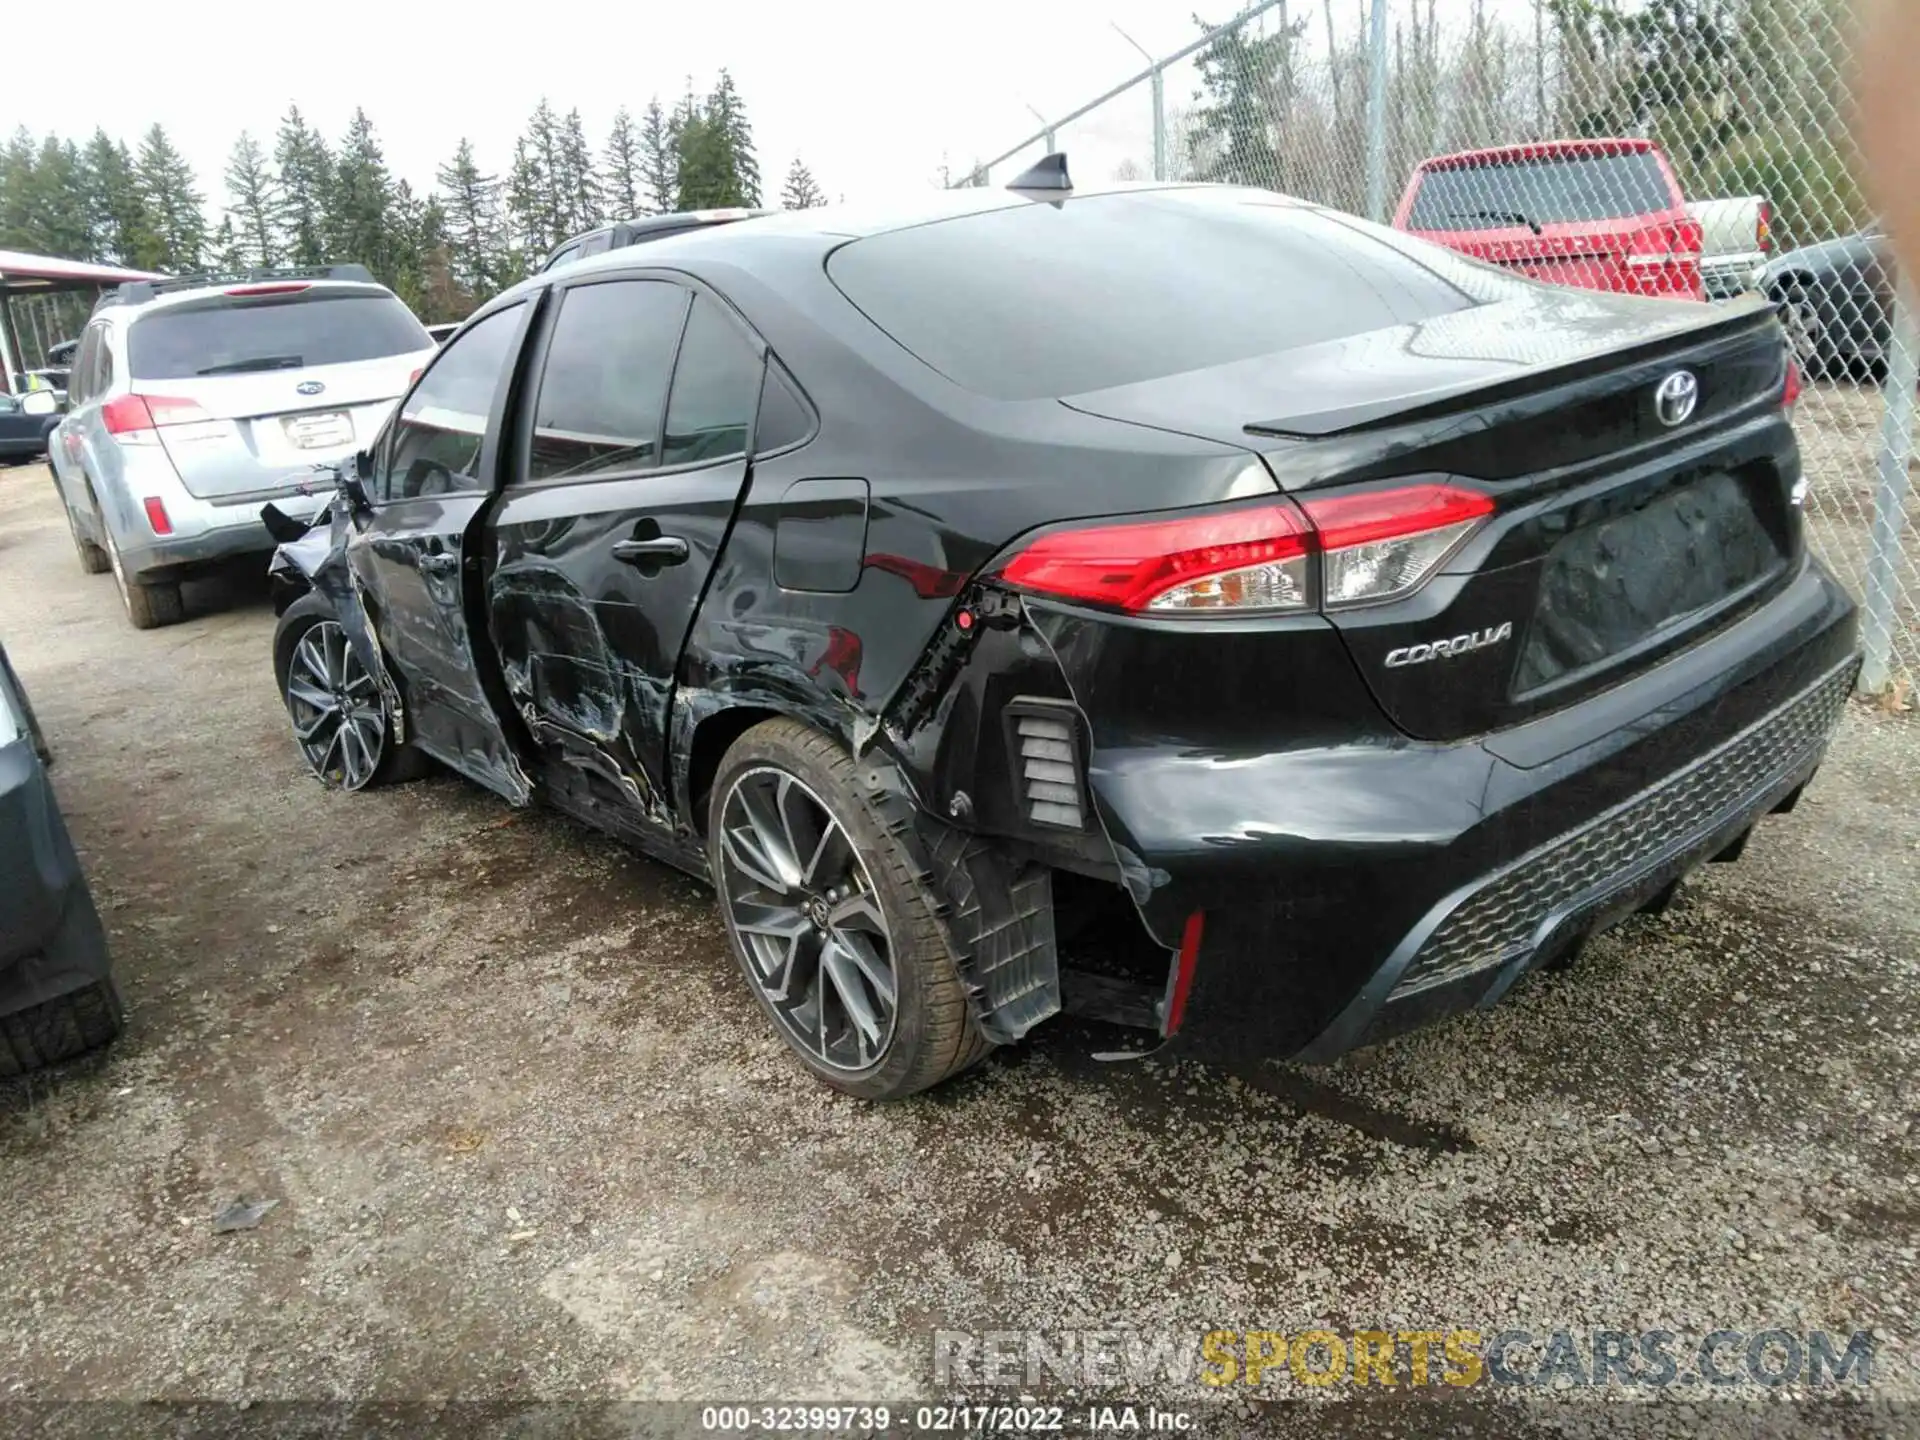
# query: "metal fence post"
x,y
1377,116
1159,124
1890,498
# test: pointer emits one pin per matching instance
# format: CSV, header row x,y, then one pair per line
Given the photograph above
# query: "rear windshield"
x,y
1500,195
236,337
1045,300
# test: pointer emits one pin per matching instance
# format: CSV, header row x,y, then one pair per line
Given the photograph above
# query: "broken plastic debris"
x,y
1114,1057
242,1214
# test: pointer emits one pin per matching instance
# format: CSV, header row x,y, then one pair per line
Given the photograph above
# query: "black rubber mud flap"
x,y
998,914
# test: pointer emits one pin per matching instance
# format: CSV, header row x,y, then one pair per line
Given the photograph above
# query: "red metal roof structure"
x,y
22,275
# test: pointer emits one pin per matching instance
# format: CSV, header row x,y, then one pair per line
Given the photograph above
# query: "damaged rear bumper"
x,y
1349,892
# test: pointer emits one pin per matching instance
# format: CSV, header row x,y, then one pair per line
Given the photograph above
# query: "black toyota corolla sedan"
x,y
1178,603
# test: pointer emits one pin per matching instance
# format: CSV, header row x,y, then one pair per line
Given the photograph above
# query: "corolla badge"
x,y
1677,397
309,387
1448,649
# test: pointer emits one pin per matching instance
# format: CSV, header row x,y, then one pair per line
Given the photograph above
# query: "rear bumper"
x,y
206,534
1353,891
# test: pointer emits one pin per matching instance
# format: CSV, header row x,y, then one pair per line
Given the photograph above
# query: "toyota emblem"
x,y
314,387
1677,397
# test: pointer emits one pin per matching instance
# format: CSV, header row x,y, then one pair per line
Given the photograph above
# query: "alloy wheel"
x,y
805,917
338,717
1805,332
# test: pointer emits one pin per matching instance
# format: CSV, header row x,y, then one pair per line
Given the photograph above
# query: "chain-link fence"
x,y
1688,148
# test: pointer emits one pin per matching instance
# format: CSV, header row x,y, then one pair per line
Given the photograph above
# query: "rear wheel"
x,y
339,714
830,920
148,606
93,560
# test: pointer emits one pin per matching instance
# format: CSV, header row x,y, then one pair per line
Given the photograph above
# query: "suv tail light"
x,y
1763,232
1374,546
1790,395
135,419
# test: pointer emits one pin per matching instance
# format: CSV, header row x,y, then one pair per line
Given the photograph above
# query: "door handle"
x,y
663,550
439,564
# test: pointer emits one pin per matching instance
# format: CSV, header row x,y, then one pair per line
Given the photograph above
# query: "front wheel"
x,y
339,714
830,921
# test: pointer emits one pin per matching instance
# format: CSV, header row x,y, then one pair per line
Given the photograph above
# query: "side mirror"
x,y
40,402
363,465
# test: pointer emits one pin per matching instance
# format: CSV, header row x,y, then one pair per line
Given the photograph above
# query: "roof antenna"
x,y
1048,173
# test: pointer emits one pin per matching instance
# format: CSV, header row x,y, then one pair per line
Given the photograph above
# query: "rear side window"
x,y
1044,300
604,388
716,386
1549,190
437,440
233,337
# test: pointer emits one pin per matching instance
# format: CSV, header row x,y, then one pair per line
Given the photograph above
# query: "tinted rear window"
x,y
239,336
1044,300
1546,191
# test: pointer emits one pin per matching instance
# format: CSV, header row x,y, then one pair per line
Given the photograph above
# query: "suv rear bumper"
x,y
1350,892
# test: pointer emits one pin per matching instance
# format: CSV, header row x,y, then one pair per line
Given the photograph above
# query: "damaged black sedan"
x,y
1182,604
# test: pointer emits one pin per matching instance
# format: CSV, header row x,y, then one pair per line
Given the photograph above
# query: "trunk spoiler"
x,y
1412,407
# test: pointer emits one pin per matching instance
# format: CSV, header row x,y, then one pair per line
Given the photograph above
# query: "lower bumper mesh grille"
x,y
1502,919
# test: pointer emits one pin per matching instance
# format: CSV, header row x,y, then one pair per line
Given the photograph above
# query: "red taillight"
x,y
127,415
1665,258
1763,236
1237,559
1182,979
1790,395
1373,546
131,415
414,378
293,288
157,515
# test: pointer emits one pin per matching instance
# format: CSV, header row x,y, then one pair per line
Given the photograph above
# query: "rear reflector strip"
x,y
1181,981
157,515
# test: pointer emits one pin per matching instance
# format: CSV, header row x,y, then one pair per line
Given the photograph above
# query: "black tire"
x,y
60,1029
397,763
933,1035
93,560
149,606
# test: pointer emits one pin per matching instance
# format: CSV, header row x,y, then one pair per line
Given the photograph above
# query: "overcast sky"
x,y
871,94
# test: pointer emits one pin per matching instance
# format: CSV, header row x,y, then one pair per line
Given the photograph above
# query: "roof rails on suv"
x,y
139,292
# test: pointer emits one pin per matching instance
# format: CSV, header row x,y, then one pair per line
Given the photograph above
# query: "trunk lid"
x,y
252,386
1656,255
253,434
1619,534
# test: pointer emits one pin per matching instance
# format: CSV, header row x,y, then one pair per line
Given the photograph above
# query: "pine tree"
x,y
532,206
623,171
471,204
576,188
659,161
228,249
16,192
728,116
800,191
306,173
361,214
171,197
116,219
405,225
253,199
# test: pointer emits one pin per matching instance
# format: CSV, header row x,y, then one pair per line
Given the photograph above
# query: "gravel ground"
x,y
531,1139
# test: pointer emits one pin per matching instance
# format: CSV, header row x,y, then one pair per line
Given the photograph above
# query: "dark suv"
x,y
646,227
1305,647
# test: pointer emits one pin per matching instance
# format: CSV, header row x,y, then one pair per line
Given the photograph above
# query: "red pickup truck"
x,y
1594,214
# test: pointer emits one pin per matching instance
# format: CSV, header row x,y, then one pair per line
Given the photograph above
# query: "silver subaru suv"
x,y
195,401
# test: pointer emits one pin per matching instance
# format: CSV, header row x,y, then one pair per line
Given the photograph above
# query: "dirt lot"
x,y
530,1138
